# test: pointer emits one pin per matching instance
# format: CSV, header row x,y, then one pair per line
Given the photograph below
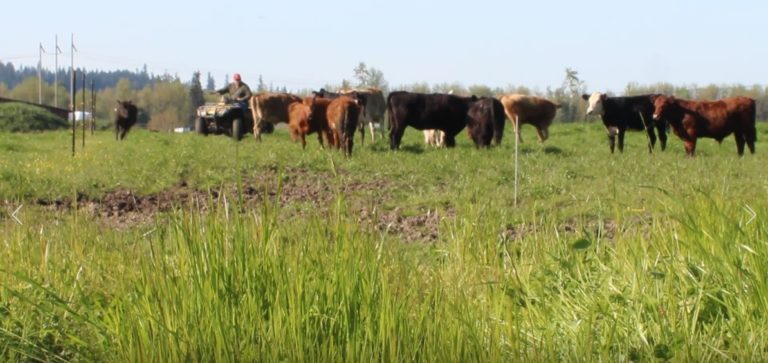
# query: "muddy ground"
x,y
300,192
305,193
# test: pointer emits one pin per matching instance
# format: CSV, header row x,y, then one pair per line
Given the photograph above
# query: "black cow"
x,y
125,118
627,113
486,122
444,112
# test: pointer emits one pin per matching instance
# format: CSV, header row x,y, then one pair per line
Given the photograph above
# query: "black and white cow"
x,y
627,113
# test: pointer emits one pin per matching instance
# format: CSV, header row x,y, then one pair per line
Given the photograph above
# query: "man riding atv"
x,y
238,91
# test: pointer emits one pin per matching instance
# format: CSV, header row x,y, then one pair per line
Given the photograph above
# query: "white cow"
x,y
433,137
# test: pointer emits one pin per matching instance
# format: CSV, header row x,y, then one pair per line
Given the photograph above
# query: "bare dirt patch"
x,y
290,190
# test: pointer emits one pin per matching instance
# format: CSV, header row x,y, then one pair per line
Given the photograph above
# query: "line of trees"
x,y
167,102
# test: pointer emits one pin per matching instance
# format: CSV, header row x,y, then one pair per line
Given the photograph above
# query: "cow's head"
x,y
662,106
321,93
122,107
595,103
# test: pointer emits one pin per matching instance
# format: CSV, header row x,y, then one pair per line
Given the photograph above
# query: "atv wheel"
x,y
200,127
237,129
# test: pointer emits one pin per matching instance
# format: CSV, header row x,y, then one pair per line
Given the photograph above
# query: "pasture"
x,y
177,247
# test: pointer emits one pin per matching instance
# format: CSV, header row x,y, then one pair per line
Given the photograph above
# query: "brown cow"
x,y
309,117
714,119
270,107
343,115
532,110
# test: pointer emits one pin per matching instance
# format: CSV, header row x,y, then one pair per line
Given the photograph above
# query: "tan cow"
x,y
531,110
270,107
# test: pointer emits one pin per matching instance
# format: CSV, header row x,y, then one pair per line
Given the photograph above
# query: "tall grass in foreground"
x,y
688,285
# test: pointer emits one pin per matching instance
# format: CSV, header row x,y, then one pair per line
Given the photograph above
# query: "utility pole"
x,y
56,74
72,91
40,74
93,107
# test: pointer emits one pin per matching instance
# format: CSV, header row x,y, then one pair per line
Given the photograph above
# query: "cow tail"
x,y
253,103
752,137
344,135
496,132
390,112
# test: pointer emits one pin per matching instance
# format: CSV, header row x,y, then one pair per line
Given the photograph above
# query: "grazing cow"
x,y
486,122
125,118
532,110
308,117
434,138
343,115
620,114
270,107
444,112
714,119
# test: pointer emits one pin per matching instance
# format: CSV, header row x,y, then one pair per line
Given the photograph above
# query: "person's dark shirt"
x,y
239,92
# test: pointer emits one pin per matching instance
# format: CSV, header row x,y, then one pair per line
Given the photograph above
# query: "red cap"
x,y
236,76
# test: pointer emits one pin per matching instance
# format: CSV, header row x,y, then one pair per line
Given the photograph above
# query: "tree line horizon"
x,y
167,102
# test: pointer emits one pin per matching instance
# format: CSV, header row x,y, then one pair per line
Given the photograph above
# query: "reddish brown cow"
x,y
531,110
309,117
343,115
714,119
270,107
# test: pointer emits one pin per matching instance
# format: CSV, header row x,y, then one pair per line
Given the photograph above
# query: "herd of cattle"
x,y
336,117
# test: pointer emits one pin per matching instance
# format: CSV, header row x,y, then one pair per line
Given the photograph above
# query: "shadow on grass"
x,y
553,150
411,148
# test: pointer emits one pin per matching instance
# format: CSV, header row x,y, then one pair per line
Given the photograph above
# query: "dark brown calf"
x,y
713,119
125,118
486,122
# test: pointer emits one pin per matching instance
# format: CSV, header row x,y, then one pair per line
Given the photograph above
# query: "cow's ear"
x,y
585,96
474,98
603,96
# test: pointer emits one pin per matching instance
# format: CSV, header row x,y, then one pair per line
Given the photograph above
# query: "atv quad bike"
x,y
226,117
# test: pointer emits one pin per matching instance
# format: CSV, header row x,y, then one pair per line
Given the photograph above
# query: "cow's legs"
x,y
661,129
372,129
257,130
517,133
612,141
395,135
651,139
621,140
740,142
361,128
751,136
450,140
543,134
690,147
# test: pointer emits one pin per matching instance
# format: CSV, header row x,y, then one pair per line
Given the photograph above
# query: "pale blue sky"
x,y
307,44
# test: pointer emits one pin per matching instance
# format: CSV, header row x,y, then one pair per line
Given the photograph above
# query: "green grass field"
x,y
415,255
